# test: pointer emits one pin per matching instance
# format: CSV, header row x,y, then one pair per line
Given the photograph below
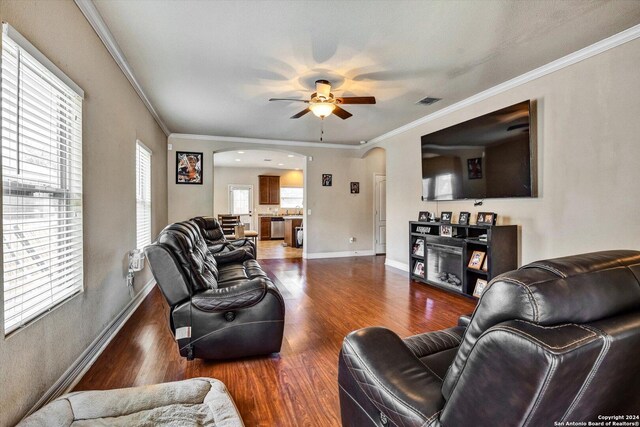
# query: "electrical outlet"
x,y
308,211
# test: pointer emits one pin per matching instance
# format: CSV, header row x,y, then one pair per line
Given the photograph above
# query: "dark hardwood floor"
x,y
325,300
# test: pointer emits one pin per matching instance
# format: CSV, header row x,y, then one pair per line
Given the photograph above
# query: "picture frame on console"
x,y
445,217
423,216
486,218
481,284
418,269
463,218
446,231
476,259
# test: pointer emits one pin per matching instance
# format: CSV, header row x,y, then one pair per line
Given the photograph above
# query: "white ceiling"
x,y
209,67
258,159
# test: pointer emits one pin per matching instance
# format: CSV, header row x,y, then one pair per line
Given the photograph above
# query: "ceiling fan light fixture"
x,y
322,109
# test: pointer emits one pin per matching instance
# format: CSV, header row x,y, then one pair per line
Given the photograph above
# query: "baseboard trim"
x,y
397,264
76,371
343,254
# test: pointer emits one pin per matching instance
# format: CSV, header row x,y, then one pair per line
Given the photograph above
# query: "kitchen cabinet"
x,y
265,228
290,225
269,190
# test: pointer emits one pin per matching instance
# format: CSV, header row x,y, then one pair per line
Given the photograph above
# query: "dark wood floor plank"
x,y
325,300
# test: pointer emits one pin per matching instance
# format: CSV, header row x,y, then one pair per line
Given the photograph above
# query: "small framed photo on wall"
x,y
486,218
463,219
327,180
355,187
188,167
445,217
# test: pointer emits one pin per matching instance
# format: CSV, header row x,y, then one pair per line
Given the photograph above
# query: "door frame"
x,y
373,213
252,201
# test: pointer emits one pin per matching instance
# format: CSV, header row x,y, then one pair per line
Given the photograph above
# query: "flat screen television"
x,y
486,157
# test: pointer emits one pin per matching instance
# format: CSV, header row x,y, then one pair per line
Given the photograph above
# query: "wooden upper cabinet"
x,y
269,190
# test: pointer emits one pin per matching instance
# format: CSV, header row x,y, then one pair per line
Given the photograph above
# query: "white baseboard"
x,y
397,264
76,371
343,254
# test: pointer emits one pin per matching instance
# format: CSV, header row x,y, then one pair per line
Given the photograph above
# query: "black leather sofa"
x,y
220,307
216,240
554,341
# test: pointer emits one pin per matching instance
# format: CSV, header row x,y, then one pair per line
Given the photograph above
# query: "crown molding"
x,y
553,66
90,12
262,141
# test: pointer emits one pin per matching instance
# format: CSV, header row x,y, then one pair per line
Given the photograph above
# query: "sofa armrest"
x,y
235,256
391,377
232,297
464,320
434,342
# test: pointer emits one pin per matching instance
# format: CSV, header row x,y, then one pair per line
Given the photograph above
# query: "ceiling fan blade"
x,y
300,114
343,114
323,88
357,100
289,99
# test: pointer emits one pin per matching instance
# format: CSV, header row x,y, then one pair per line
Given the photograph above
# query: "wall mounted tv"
x,y
486,157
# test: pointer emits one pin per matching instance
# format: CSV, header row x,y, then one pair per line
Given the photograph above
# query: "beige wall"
x,y
225,176
588,161
32,359
336,214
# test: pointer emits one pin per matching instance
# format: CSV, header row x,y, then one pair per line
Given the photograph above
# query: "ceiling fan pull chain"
x,y
321,128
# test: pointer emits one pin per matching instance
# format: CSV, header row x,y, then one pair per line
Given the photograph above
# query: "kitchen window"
x,y
41,183
291,197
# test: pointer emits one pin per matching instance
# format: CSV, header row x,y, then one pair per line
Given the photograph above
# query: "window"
x,y
240,199
143,195
291,197
41,183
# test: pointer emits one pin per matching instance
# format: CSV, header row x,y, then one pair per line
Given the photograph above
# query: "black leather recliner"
x,y
556,340
216,240
221,307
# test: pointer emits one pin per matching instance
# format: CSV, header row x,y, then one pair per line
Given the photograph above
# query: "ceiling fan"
x,y
322,102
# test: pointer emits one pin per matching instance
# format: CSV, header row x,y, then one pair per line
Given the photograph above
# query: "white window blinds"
x,y
41,183
143,196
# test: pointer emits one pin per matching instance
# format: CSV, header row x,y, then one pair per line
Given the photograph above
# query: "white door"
x,y
380,220
241,203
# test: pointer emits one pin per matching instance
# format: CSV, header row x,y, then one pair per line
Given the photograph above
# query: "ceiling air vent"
x,y
428,100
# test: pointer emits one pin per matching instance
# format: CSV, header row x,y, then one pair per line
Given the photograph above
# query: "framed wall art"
x,y
188,168
355,188
327,180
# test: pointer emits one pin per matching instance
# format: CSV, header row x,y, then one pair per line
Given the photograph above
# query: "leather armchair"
x,y
556,340
219,307
216,240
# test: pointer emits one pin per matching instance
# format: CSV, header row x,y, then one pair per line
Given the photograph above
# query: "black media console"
x,y
445,260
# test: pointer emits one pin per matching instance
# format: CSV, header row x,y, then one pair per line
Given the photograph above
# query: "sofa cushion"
x,y
210,229
190,250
